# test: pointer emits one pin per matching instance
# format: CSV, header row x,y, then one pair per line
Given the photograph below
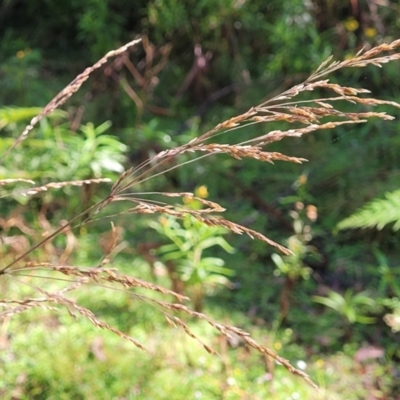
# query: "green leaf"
x,y
9,115
216,241
378,213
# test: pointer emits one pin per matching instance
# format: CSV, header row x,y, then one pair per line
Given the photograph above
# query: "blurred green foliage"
x,y
56,152
85,363
378,213
351,306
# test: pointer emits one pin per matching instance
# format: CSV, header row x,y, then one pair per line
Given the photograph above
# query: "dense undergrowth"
x,y
330,307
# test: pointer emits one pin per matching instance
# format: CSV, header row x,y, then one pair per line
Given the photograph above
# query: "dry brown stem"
x,y
59,185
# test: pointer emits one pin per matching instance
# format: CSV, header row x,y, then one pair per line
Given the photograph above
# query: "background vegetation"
x,y
332,309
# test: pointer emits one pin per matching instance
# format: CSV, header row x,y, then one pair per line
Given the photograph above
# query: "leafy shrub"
x,y
184,257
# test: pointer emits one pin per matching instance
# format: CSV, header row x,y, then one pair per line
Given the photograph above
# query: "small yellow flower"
x,y
202,192
370,32
278,345
20,54
319,363
351,24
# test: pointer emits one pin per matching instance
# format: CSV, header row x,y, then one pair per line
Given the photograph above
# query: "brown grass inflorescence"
x,y
307,116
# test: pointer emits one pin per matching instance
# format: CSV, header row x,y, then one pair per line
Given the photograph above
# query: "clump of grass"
x,y
306,116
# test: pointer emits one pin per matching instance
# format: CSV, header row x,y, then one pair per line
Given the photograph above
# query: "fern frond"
x,y
378,213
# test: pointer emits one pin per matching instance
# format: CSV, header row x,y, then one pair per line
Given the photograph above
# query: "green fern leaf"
x,y
378,213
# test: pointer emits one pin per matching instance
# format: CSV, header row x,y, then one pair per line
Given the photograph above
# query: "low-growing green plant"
x,y
354,307
86,153
389,276
377,214
185,260
293,266
89,364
